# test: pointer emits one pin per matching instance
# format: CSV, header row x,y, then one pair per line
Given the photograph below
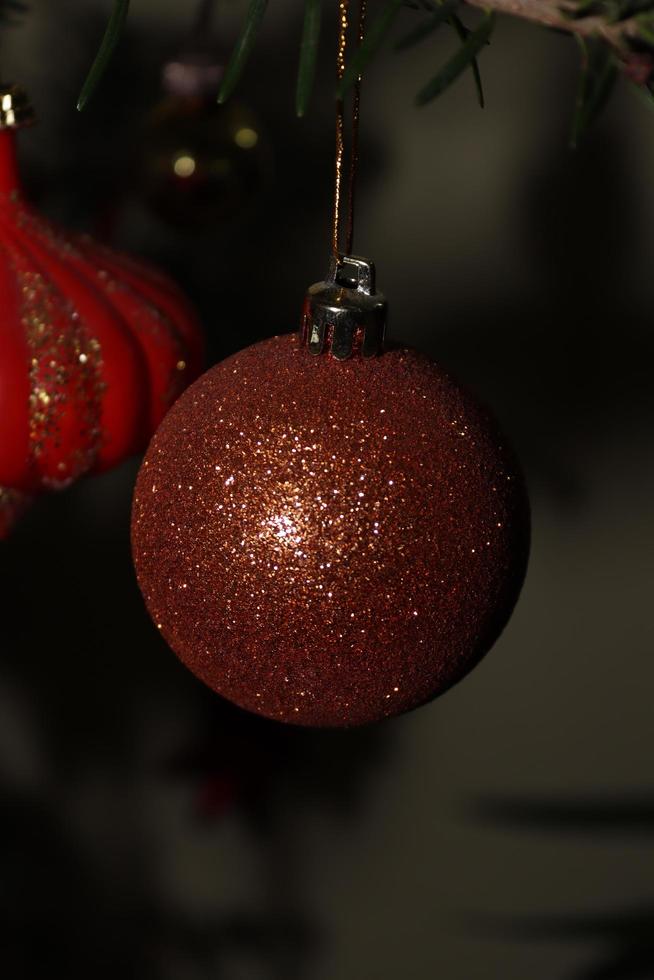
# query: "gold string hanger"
x,y
345,315
343,31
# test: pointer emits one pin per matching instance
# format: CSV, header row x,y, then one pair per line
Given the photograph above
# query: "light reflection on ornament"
x,y
284,529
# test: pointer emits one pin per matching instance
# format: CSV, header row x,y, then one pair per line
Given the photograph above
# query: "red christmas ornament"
x,y
94,346
326,537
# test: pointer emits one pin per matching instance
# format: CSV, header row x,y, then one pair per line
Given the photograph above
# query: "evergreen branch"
x,y
608,20
598,76
463,32
109,41
458,63
243,48
615,36
425,28
308,54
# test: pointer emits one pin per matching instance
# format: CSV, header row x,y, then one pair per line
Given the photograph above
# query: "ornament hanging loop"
x,y
344,315
344,27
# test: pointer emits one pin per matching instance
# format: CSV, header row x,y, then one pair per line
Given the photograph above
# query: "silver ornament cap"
x,y
343,315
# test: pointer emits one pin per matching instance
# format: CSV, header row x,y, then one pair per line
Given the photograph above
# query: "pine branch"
x,y
472,45
308,54
243,49
623,25
615,36
107,47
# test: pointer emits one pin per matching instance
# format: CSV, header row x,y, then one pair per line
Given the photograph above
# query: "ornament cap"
x,y
344,315
15,107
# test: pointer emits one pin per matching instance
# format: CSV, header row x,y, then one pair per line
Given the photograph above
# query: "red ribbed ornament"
x,y
94,346
326,537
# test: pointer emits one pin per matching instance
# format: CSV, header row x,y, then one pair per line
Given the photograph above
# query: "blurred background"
x,y
148,829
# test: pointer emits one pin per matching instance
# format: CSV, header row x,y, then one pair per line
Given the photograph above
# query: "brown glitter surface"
x,y
329,543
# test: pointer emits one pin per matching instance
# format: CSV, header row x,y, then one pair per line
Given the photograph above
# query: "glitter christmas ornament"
x,y
94,346
326,533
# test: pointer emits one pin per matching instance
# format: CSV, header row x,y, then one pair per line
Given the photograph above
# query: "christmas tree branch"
x,y
105,52
548,13
563,15
615,37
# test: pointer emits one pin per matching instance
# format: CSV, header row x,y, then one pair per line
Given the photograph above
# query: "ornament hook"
x,y
344,315
344,25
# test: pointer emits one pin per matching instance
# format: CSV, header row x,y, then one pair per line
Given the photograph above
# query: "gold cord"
x,y
344,23
343,9
354,158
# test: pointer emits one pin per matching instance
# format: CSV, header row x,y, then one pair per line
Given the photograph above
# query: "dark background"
x,y
147,829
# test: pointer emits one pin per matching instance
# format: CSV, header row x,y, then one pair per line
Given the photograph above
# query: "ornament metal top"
x,y
344,315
